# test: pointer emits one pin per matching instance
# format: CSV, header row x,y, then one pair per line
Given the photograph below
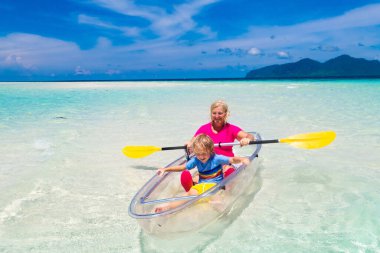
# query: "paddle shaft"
x,y
225,144
263,142
250,143
172,148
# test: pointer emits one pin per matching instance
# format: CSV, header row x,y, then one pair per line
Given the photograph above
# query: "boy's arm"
x,y
173,168
237,159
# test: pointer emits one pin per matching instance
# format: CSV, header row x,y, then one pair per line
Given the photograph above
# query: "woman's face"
x,y
218,116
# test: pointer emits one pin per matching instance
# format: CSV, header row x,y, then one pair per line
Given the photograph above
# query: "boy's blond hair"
x,y
203,142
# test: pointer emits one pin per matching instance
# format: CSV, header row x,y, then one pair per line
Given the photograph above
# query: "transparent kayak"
x,y
196,211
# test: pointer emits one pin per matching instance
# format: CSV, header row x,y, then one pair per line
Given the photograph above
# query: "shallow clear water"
x,y
65,185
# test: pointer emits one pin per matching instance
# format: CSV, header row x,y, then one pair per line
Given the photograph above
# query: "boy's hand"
x,y
161,171
245,161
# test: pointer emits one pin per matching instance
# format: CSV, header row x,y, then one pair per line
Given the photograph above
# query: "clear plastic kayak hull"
x,y
195,212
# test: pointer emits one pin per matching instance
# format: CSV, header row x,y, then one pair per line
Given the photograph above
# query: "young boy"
x,y
209,165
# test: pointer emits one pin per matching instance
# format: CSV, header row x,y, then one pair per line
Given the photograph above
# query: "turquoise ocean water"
x,y
65,185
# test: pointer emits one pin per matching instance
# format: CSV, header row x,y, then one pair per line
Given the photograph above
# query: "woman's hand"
x,y
189,146
244,141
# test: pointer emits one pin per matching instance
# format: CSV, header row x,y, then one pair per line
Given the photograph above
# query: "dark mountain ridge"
x,y
339,67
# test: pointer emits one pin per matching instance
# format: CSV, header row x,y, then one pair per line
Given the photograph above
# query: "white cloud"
x,y
31,51
166,25
326,48
34,52
129,8
13,60
360,17
283,55
181,20
79,71
254,51
103,43
113,72
128,31
207,32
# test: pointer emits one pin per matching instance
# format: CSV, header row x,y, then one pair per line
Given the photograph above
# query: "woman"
x,y
220,131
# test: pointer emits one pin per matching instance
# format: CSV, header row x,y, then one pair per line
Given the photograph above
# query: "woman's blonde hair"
x,y
203,142
223,105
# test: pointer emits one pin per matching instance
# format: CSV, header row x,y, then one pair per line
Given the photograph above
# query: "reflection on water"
x,y
143,167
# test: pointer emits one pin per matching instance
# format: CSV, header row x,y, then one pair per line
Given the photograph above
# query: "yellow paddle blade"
x,y
139,151
310,140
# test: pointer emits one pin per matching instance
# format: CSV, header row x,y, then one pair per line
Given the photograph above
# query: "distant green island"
x,y
343,66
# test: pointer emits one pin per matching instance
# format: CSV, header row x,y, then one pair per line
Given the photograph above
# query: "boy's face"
x,y
202,155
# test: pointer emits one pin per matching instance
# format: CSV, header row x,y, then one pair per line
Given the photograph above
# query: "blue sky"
x,y
121,39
